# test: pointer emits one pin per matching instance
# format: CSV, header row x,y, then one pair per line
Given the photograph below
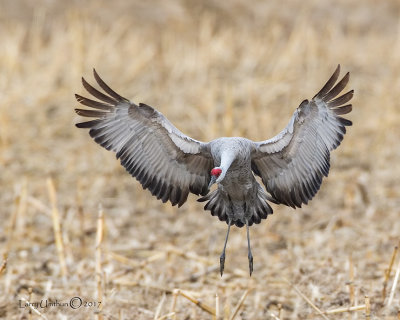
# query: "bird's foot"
x,y
222,263
250,263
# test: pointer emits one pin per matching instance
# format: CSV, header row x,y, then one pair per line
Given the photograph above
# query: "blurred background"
x,y
213,68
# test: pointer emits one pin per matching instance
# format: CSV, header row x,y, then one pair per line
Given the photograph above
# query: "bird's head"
x,y
215,176
216,172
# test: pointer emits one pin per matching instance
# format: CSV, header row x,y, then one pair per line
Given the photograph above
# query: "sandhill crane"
x,y
170,164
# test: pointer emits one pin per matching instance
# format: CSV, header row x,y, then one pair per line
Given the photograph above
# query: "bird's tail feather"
x,y
222,207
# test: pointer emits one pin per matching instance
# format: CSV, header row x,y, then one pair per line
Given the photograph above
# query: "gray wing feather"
x,y
293,163
163,159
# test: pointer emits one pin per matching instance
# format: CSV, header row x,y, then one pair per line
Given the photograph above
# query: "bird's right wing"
x,y
163,159
293,163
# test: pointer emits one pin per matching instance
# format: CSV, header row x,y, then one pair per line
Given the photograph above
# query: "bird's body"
x,y
237,195
170,164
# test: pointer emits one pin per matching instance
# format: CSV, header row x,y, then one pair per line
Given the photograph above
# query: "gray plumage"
x,y
171,164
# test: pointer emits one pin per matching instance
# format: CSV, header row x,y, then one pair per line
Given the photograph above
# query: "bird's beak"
x,y
212,181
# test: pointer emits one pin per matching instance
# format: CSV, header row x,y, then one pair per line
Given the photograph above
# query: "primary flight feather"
x,y
170,164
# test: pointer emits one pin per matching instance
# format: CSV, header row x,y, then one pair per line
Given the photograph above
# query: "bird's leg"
x,y
222,257
250,255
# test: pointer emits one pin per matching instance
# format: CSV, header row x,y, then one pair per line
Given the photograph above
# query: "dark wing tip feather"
x,y
78,97
343,110
107,89
97,94
337,88
91,113
87,124
329,84
345,122
93,103
341,100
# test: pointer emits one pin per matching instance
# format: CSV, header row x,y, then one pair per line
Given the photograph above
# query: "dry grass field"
x,y
75,224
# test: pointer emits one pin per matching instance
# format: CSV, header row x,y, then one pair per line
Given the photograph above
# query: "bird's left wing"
x,y
163,159
293,163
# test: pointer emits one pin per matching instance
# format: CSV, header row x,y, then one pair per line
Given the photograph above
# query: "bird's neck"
x,y
227,158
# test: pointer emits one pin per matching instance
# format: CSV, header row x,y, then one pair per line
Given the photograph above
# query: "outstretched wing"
x,y
293,163
163,159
